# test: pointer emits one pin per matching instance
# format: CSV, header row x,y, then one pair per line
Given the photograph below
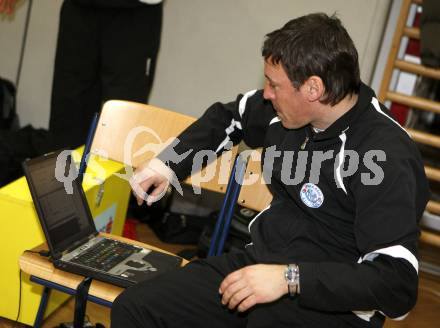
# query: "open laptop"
x,y
71,235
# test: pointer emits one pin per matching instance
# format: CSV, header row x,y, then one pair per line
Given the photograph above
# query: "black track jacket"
x,y
353,232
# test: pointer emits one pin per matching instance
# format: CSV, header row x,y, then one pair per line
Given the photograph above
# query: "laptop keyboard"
x,y
105,254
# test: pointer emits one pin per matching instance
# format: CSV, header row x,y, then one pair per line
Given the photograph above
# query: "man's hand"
x,y
155,177
254,284
7,6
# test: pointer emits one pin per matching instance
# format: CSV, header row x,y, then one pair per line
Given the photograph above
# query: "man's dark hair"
x,y
316,44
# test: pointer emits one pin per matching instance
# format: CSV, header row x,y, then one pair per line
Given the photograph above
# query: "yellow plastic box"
x,y
107,195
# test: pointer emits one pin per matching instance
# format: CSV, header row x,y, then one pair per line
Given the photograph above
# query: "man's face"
x,y
290,104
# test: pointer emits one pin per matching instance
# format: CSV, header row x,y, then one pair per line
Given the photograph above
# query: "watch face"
x,y
292,278
292,274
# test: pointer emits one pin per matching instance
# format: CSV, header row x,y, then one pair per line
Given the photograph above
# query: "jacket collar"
x,y
343,123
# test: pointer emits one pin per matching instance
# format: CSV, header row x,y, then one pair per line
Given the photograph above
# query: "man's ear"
x,y
314,88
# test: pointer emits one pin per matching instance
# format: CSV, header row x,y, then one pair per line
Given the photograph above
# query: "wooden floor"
x,y
426,314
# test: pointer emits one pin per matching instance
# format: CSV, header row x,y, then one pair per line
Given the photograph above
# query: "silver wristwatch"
x,y
292,278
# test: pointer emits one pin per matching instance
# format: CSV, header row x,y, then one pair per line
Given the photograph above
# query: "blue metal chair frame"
x,y
87,147
48,286
223,223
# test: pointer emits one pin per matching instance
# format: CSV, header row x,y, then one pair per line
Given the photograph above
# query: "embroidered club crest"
x,y
311,195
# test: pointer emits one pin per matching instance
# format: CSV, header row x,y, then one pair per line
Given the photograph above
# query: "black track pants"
x,y
102,53
189,297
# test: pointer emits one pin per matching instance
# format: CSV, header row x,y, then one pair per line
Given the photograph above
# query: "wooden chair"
x,y
125,128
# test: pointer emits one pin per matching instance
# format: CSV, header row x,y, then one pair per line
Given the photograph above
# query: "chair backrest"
x,y
121,121
133,133
254,192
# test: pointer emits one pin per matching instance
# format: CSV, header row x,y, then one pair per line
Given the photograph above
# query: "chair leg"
x,y
221,216
221,229
81,302
42,307
235,192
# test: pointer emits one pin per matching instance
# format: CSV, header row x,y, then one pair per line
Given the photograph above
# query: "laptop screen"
x,y
65,217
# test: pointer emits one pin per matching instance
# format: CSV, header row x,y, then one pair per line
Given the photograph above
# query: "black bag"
x,y
16,146
238,236
8,114
178,228
185,216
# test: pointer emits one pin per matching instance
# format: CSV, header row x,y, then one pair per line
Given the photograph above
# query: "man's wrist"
x,y
160,167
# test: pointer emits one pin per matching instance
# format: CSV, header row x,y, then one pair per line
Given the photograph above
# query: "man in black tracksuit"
x,y
337,247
